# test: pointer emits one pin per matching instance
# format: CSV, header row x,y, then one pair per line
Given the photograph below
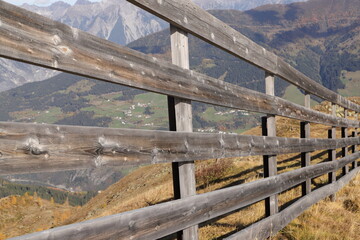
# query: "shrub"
x,y
212,170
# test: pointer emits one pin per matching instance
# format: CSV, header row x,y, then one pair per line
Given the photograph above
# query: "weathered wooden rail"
x,y
24,148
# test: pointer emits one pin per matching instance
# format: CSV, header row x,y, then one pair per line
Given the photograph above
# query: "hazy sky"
x,y
42,2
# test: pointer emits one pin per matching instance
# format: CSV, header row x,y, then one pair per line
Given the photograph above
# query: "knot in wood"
x,y
33,147
56,40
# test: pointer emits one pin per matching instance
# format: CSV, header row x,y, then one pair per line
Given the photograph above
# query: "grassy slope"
x,y
352,83
294,95
25,214
141,111
132,192
326,220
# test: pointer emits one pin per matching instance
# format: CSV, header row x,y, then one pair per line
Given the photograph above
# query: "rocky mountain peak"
x,y
83,2
60,4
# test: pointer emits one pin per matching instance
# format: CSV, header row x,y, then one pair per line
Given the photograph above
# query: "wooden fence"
x,y
24,148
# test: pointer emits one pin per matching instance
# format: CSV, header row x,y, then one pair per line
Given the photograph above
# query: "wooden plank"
x,y
31,38
356,148
183,172
345,150
332,152
191,18
269,161
305,156
353,150
28,148
163,219
271,225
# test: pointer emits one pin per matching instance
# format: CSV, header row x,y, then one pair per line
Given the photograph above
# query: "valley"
x,y
289,30
320,39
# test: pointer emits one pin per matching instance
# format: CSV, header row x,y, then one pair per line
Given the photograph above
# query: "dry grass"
x,y
329,220
153,184
20,215
145,186
313,224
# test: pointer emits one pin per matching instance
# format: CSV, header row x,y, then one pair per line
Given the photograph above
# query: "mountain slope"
x,y
152,184
240,4
320,38
116,20
68,99
20,215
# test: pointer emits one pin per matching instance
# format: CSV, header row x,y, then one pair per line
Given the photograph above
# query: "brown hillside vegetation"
x,y
25,214
150,185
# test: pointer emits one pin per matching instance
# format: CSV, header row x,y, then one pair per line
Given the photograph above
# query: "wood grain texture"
x,y
345,134
305,156
332,152
353,150
271,225
31,38
163,219
41,147
269,161
356,130
191,18
184,175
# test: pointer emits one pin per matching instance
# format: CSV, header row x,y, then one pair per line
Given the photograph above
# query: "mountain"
x,y
241,5
73,100
320,38
322,45
101,18
116,20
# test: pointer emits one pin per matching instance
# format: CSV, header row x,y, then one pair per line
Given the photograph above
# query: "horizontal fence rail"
x,y
268,226
57,46
163,219
28,148
191,18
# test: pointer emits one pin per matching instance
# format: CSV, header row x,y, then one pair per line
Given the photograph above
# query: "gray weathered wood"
x,y
184,175
353,150
269,161
271,225
27,37
356,132
332,152
28,147
345,134
31,38
163,219
305,156
191,18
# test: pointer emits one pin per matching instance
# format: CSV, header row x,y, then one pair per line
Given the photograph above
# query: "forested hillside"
x,y
320,38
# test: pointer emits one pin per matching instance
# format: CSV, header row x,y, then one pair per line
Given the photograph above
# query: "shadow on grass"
x,y
260,168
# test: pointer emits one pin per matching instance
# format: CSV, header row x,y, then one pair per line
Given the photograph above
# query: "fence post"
x,y
332,152
305,156
180,119
344,134
270,164
353,150
356,147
